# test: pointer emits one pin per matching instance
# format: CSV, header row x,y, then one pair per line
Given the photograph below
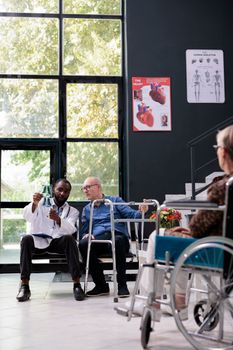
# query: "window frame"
x,y
32,145
58,146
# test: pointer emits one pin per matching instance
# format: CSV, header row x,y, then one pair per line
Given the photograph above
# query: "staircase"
x,y
209,162
188,194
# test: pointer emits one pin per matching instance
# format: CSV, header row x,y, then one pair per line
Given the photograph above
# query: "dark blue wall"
x,y
158,34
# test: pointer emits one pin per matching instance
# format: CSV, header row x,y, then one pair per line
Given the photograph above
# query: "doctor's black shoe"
x,y
24,293
78,292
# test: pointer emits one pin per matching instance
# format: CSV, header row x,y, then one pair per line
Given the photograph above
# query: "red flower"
x,y
168,217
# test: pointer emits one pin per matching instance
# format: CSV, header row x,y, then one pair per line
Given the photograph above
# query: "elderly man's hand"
x,y
87,235
143,208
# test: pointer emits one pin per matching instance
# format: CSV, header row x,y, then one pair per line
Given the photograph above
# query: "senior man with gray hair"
x,y
102,230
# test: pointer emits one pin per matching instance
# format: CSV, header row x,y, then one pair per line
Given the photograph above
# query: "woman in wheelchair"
x,y
205,222
208,222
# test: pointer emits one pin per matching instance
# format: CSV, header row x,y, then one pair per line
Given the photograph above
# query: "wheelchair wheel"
x,y
204,271
200,313
146,328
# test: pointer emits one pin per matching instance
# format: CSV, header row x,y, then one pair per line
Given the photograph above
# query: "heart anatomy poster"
x,y
151,104
205,76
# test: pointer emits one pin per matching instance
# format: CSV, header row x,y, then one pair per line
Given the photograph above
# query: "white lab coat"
x,y
39,223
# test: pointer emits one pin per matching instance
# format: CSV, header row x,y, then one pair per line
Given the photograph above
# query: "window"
x,y
29,45
98,53
19,176
29,108
92,110
60,99
99,158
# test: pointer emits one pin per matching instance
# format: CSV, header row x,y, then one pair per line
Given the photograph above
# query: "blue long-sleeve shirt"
x,y
101,217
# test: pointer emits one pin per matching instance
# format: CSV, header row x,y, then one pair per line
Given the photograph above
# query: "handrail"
x,y
194,142
208,132
202,189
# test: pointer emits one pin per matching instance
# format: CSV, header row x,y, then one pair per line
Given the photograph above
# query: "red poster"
x,y
151,104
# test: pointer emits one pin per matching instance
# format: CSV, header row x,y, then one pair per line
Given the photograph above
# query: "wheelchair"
x,y
203,270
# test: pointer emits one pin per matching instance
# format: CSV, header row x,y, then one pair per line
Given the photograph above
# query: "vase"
x,y
170,224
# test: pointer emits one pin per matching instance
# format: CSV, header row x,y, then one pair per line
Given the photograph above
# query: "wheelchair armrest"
x,y
193,204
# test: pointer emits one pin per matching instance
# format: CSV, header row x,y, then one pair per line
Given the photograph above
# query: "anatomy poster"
x,y
205,76
151,104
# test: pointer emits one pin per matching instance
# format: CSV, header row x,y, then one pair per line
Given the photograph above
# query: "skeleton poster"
x,y
205,76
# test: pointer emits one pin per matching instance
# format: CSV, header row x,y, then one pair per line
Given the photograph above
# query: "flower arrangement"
x,y
169,217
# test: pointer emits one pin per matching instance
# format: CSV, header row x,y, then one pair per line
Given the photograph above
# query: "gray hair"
x,y
225,137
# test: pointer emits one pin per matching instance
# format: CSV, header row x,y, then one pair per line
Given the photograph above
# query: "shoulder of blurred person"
x,y
216,191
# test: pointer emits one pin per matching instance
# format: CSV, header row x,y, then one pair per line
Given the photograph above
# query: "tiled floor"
x,y
52,319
